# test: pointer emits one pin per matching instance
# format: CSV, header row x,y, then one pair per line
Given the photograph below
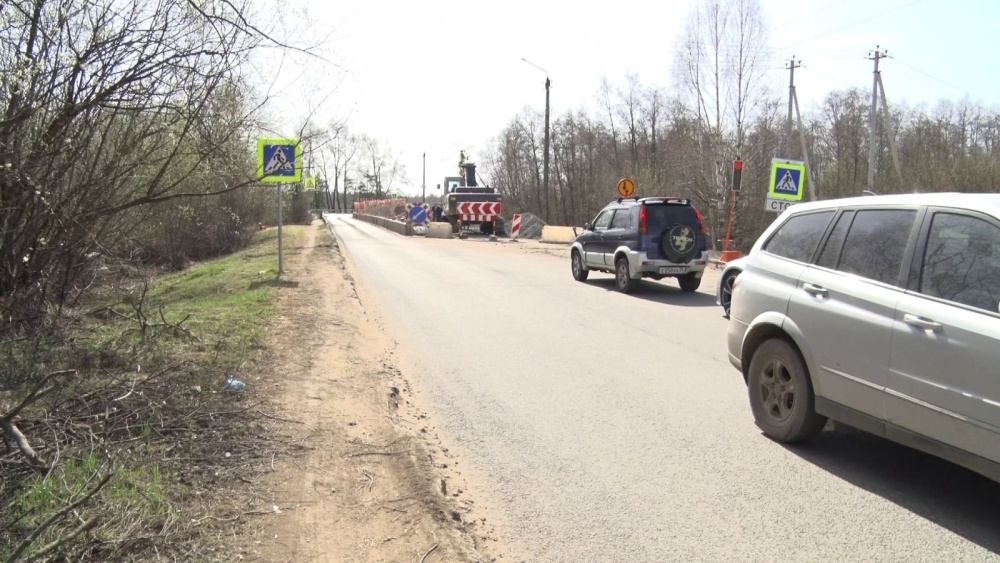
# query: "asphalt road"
x,y
611,427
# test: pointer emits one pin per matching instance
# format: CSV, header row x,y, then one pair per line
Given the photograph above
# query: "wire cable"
x,y
852,24
932,77
817,12
831,77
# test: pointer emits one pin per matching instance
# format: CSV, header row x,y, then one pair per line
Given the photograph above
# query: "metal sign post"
x,y
728,254
280,246
279,161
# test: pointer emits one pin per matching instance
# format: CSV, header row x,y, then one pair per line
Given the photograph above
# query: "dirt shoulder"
x,y
363,482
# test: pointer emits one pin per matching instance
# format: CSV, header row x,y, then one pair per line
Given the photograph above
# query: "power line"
x,y
929,85
915,69
852,24
831,77
817,12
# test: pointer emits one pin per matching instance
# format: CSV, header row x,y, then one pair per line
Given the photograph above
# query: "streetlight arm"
x,y
545,166
536,66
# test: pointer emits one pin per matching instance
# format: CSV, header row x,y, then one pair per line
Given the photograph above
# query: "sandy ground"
x,y
367,479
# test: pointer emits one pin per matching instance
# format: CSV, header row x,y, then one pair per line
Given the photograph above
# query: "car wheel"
x,y
781,395
623,281
580,272
726,292
689,282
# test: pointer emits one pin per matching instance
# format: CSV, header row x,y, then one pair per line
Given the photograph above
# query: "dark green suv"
x,y
650,237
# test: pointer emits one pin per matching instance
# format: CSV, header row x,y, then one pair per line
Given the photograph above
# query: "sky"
x,y
439,76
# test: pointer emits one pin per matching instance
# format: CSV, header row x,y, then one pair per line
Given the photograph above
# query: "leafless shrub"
x,y
108,107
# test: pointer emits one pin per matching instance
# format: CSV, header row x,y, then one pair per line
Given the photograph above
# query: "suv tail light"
x,y
642,220
701,221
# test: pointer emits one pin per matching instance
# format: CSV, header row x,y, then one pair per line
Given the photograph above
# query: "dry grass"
x,y
137,437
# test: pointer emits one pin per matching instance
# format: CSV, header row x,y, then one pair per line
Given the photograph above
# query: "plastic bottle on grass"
x,y
235,384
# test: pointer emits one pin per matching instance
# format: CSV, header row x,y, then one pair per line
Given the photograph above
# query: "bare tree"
x,y
379,166
338,154
721,69
106,107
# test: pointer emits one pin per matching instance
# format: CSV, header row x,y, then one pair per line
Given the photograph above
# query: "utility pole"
x,y
545,158
792,65
888,121
423,182
545,165
793,112
875,56
810,175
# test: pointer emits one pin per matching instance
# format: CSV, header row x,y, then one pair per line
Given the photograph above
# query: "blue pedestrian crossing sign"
x,y
279,161
788,179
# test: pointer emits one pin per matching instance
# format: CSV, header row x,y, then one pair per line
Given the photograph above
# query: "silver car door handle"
x,y
815,290
922,323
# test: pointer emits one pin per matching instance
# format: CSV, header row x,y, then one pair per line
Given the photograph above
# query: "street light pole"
x,y
423,183
545,159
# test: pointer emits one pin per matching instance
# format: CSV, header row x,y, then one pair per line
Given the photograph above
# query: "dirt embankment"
x,y
368,482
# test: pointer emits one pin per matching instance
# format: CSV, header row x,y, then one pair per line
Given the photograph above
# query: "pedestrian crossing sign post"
x,y
279,161
787,186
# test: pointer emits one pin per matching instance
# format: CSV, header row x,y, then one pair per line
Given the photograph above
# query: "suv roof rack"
x,y
660,198
668,199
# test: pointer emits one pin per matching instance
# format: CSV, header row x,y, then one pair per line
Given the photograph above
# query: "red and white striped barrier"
x,y
515,227
478,211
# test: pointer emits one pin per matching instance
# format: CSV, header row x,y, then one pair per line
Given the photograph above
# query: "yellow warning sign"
x,y
626,187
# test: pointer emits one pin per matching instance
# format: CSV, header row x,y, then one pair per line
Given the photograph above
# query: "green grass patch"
x,y
228,302
231,294
134,494
137,490
224,304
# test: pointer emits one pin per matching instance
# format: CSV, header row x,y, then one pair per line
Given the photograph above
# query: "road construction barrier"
x,y
478,211
515,226
438,230
559,235
405,229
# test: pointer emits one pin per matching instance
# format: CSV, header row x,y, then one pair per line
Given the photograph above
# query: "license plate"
x,y
672,270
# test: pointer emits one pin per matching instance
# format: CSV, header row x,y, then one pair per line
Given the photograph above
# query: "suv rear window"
x,y
662,216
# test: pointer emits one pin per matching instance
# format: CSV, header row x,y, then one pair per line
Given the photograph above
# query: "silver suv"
x,y
882,313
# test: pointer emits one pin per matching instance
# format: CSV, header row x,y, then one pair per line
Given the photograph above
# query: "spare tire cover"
x,y
679,243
